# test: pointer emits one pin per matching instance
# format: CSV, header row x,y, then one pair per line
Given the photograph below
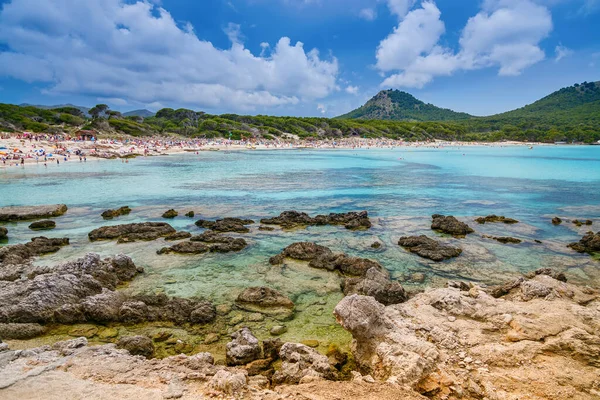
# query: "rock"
x,y
226,225
304,251
311,343
581,223
185,248
271,348
266,228
495,219
108,333
20,331
42,225
295,219
170,214
24,213
265,301
190,214
490,340
144,231
229,382
556,221
110,214
243,349
3,233
14,257
278,330
211,338
103,307
429,248
376,284
299,361
178,236
559,276
590,243
137,345
218,243
375,245
450,225
203,313
223,309
504,239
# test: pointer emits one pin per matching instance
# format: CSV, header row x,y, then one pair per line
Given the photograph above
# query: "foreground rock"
x,y
110,214
361,275
243,349
447,343
496,219
85,291
429,248
226,225
590,243
208,241
265,301
72,369
14,259
295,219
42,225
300,361
450,225
127,233
24,213
3,233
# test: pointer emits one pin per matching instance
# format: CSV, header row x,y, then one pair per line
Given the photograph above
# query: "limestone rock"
x,y
496,219
42,225
265,301
24,213
110,214
450,225
144,231
590,243
170,214
295,219
3,233
243,349
137,345
299,361
429,248
226,225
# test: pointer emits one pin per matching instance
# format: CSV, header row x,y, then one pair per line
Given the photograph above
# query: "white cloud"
x,y
137,52
504,34
400,7
322,108
352,89
562,52
368,14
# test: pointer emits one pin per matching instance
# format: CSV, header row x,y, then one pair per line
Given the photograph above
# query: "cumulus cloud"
x,y
400,7
352,89
505,34
368,14
137,52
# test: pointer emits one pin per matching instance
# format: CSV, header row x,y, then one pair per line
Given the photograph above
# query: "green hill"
x,y
402,106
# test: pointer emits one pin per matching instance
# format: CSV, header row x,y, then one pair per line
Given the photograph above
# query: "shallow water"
x,y
400,188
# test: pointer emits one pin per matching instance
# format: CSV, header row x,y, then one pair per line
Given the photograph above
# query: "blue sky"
x,y
294,57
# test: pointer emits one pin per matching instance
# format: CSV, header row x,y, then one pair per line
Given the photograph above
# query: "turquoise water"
x,y
399,187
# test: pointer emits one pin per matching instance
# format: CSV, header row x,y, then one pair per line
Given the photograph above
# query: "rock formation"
x,y
42,225
429,248
295,219
24,213
556,221
208,241
243,349
137,345
126,233
3,233
299,361
110,214
226,225
170,214
539,341
496,219
590,243
504,239
266,301
450,225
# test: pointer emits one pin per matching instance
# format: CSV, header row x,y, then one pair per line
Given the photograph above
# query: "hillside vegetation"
x,y
571,114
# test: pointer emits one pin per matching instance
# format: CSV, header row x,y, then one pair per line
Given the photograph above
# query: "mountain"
x,y
41,107
139,113
579,96
402,106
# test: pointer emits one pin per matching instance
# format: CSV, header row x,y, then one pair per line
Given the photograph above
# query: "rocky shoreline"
x,y
464,341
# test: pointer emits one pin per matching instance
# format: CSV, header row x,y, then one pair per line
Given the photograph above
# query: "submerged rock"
x,y
299,361
496,219
504,239
3,233
590,243
450,225
110,214
581,223
16,257
295,219
137,345
24,213
42,225
243,349
185,248
178,236
556,221
144,231
265,301
429,248
439,337
226,225
170,214
208,241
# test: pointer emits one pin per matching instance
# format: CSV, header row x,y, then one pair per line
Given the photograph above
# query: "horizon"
x,y
294,58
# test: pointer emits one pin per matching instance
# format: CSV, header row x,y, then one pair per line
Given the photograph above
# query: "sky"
x,y
294,57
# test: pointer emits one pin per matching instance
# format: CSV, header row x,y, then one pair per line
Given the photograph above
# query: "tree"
x,y
97,111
